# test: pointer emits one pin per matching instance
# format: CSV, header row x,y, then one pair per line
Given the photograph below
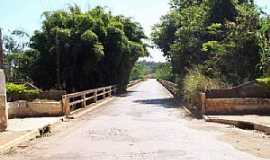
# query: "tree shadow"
x,y
171,103
162,102
126,94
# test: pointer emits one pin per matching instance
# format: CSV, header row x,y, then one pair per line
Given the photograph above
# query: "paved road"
x,y
143,125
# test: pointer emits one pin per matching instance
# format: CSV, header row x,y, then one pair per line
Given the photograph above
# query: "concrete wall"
x,y
249,98
236,106
23,109
247,90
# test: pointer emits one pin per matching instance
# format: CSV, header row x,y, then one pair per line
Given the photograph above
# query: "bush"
x,y
138,72
20,92
164,72
194,83
264,82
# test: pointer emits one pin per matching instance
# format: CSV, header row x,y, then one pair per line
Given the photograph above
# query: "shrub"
x,y
20,92
195,82
138,72
164,72
264,81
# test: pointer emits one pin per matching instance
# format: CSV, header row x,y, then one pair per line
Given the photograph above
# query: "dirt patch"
x,y
253,142
247,140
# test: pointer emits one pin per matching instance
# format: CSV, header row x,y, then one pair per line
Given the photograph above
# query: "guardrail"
x,y
83,99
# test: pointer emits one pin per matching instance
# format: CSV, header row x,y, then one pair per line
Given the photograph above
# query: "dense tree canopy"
x,y
80,50
224,39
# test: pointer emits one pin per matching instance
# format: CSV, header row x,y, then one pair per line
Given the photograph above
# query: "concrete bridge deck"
x,y
145,124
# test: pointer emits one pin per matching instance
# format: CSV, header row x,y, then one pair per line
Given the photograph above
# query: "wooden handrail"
x,y
83,99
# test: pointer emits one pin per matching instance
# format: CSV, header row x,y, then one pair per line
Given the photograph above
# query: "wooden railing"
x,y
132,83
74,101
83,99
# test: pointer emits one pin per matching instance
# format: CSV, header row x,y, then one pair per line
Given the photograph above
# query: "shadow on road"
x,y
163,102
128,93
169,103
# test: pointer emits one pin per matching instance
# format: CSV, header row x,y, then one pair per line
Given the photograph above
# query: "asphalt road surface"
x,y
145,124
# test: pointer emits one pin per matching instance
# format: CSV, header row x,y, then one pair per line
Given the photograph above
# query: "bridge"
x,y
143,124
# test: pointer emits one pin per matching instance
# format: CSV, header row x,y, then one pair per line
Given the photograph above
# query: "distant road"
x,y
142,125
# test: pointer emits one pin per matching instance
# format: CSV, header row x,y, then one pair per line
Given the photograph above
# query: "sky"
x,y
26,14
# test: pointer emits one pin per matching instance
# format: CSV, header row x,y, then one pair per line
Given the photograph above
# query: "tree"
x,y
164,72
81,50
220,37
17,59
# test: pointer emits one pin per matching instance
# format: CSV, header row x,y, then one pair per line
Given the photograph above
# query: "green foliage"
x,y
139,71
20,65
264,81
18,57
16,41
213,46
164,71
80,50
219,36
195,82
264,38
20,92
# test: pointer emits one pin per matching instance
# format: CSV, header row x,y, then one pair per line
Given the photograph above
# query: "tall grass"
x,y
195,82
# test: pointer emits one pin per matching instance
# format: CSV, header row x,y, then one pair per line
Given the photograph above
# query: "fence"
x,y
83,99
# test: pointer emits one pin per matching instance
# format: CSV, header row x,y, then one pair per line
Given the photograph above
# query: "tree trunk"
x,y
58,65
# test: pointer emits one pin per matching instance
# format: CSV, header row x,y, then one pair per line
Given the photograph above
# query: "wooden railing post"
x,y
113,89
66,106
104,93
95,96
110,91
84,101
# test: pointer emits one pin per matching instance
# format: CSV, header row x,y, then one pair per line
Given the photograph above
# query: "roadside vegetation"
x,y
76,50
164,71
214,43
20,92
264,82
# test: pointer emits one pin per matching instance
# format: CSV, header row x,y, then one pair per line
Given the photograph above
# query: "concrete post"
x,y
203,103
3,102
66,106
1,51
